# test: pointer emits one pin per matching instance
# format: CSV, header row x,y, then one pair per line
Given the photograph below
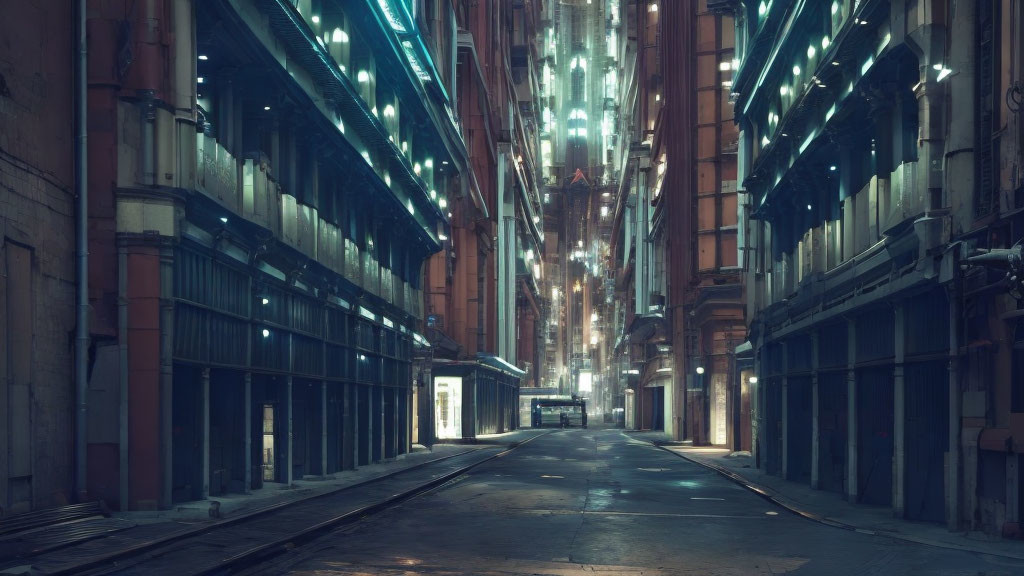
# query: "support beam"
x,y
955,409
815,415
204,379
291,431
784,350
248,431
323,429
899,460
851,411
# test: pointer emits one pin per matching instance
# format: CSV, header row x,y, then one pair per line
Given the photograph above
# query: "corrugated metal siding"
x,y
874,435
798,353
832,431
927,439
927,323
798,431
773,425
875,335
832,346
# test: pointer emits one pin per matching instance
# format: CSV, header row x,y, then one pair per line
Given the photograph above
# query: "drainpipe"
x,y
122,349
148,108
82,249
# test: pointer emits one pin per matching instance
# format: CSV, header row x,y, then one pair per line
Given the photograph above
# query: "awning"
x,y
647,328
499,363
745,350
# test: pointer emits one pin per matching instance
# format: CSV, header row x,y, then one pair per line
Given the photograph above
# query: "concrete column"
x,y
953,495
248,432
323,429
851,411
815,427
290,431
899,460
205,399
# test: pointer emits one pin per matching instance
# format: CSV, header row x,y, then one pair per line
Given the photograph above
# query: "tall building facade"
x,y
485,302
674,246
880,180
266,180
37,247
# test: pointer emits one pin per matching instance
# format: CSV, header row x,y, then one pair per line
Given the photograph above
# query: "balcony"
x,y
248,191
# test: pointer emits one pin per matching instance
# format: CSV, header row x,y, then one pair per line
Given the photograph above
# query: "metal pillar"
x,y
291,430
899,463
323,429
953,500
851,411
784,350
248,432
815,415
204,380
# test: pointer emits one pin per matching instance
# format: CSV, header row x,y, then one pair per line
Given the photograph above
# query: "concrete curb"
x,y
782,502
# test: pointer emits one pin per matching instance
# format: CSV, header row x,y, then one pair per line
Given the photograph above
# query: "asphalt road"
x,y
597,501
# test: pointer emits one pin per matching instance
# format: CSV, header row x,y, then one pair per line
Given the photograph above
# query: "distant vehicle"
x,y
559,412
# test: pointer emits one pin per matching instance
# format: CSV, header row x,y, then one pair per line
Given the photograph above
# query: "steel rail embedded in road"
x,y
101,563
270,549
243,527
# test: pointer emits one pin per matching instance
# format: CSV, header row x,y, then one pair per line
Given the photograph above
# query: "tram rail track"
x,y
238,543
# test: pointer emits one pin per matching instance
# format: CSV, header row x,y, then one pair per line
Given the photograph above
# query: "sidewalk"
x,y
830,508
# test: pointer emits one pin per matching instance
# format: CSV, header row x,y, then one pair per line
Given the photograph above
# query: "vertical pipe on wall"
x,y
124,477
82,250
166,373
